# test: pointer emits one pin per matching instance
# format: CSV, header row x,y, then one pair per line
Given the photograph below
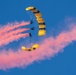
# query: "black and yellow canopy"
x,y
34,47
40,20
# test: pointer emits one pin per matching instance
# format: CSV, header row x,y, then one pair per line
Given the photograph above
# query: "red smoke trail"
x,y
11,26
48,48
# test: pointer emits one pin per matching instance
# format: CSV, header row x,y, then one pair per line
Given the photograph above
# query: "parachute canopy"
x,y
40,20
34,47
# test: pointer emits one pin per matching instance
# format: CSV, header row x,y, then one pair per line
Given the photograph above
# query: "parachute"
x,y
40,20
34,47
41,27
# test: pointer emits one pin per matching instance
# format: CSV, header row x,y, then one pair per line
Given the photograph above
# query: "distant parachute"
x,y
40,20
34,47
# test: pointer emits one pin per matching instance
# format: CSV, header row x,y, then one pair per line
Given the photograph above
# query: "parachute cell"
x,y
24,48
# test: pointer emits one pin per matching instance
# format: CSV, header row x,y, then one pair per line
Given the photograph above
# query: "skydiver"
x,y
30,35
33,28
31,21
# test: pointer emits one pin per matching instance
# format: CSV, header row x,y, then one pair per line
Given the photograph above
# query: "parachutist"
x,y
31,22
33,28
30,35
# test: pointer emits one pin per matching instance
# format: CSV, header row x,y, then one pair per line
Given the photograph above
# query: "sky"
x,y
60,16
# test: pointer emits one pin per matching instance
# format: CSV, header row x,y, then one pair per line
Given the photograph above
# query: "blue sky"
x,y
54,12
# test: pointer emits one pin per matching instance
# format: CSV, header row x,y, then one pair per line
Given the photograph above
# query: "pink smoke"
x,y
12,38
12,26
12,32
48,48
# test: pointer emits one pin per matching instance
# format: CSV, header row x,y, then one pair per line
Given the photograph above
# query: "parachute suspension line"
x,y
31,16
31,19
30,39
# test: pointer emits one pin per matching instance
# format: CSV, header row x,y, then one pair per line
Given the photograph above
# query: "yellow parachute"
x,y
34,47
41,25
40,20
